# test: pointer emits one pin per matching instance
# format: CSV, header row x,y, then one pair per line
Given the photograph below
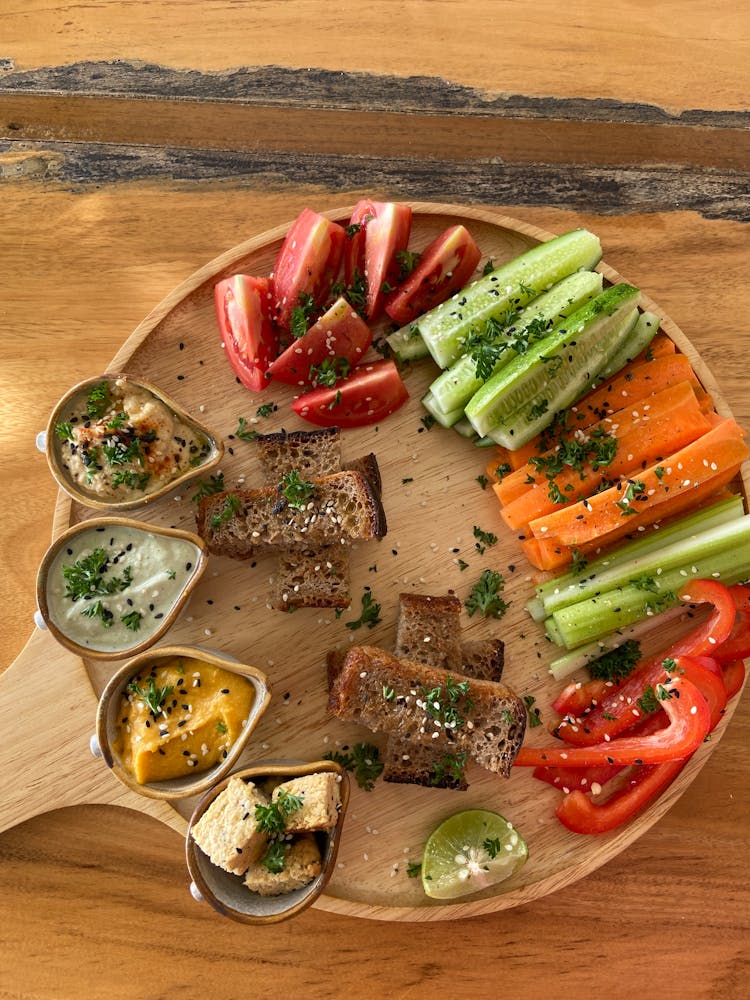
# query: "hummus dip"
x,y
122,442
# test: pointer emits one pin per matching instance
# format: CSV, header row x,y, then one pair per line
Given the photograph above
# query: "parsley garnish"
x,y
243,432
98,400
232,504
98,610
483,481
296,491
153,697
450,766
492,846
634,491
328,372
485,540
659,471
462,565
85,578
538,409
370,613
616,664
272,818
648,701
407,261
485,596
428,421
300,315
526,290
534,715
502,470
413,869
221,727
352,229
208,487
266,409
274,860
132,620
130,478
488,268
363,761
64,432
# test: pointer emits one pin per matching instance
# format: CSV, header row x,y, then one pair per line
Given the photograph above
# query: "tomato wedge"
x,y
243,310
445,267
307,265
379,231
338,341
371,393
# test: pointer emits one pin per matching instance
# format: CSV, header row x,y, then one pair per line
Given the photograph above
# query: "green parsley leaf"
x,y
534,715
244,432
407,261
98,400
85,577
153,697
132,620
363,761
208,487
485,540
616,664
65,432
274,860
488,268
648,702
266,409
329,371
297,492
370,613
485,596
232,504
492,846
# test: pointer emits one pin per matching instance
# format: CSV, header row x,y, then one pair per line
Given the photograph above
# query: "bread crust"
x,y
494,717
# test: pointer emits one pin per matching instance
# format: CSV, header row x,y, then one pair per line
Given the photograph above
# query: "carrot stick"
x,y
712,454
673,420
638,434
550,556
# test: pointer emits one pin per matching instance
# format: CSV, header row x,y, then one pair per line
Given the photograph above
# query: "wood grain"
x,y
106,257
629,51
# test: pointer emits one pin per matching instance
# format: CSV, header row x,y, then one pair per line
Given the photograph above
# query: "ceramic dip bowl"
x,y
174,720
111,587
307,848
116,443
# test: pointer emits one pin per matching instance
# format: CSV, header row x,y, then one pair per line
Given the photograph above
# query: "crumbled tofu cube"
x,y
227,831
321,799
301,866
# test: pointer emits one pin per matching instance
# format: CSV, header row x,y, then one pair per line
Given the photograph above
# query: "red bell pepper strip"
x,y
576,697
689,717
706,674
734,677
578,813
617,710
737,646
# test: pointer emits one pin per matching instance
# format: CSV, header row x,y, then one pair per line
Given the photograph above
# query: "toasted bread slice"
x,y
429,630
240,523
389,695
311,578
311,453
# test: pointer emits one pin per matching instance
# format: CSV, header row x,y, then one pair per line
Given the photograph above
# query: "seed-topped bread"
x,y
429,630
311,578
311,454
430,706
342,508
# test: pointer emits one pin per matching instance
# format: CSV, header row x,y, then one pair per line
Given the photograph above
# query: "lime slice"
x,y
470,851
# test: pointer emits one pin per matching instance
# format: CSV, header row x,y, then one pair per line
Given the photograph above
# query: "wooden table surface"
x,y
138,142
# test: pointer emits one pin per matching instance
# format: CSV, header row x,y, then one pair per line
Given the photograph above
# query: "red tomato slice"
x,y
370,394
384,229
308,263
445,267
243,309
340,337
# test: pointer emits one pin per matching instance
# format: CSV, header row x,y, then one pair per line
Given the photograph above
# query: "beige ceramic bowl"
x,y
179,788
226,892
78,395
195,546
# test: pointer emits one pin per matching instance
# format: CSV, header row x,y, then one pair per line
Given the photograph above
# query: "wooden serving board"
x,y
432,499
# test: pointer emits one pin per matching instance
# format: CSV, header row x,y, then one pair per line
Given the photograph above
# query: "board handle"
x,y
47,716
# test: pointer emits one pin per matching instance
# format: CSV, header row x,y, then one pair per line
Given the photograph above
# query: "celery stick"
x,y
454,387
566,664
522,399
554,593
638,340
445,328
597,616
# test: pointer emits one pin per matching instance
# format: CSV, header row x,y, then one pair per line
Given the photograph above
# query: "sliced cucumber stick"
x,y
455,386
523,397
445,328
